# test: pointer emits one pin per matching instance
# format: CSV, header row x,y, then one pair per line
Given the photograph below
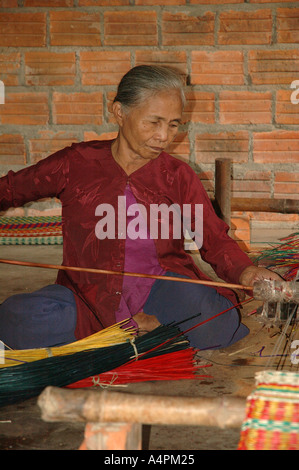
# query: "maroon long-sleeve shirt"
x,y
85,175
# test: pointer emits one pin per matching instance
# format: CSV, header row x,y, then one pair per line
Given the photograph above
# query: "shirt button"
x,y
118,293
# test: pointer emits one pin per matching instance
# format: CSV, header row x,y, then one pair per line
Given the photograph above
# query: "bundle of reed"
x,y
179,365
28,380
283,256
115,334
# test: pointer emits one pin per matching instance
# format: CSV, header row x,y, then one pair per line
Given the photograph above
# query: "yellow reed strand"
x,y
115,334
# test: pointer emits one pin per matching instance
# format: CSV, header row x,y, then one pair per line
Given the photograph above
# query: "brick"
x,y
110,95
214,2
30,108
12,149
273,66
286,185
246,27
50,68
288,25
91,135
270,1
180,29
245,107
286,190
130,28
180,147
274,216
10,68
49,3
78,108
258,175
241,223
8,3
232,145
240,230
170,58
251,187
283,176
104,3
104,67
252,184
276,147
200,107
286,111
74,28
207,180
48,142
22,29
217,68
158,2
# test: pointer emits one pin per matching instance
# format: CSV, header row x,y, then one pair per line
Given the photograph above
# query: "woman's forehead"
x,y
161,104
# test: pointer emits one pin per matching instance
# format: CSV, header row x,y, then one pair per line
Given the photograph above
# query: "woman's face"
x,y
149,128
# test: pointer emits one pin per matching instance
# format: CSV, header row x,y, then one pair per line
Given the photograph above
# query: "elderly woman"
x,y
90,178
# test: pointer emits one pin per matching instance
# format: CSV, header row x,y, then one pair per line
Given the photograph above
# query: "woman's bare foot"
x,y
145,322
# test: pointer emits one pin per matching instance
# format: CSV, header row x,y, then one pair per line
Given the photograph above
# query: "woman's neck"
x,y
127,160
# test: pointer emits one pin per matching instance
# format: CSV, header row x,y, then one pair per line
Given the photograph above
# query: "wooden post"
x,y
112,436
223,189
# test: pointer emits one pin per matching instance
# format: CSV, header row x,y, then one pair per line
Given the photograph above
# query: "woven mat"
x,y
272,413
31,230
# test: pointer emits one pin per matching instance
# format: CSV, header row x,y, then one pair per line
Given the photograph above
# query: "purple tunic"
x,y
140,257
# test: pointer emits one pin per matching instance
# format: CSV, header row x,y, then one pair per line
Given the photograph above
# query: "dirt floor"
x,y
232,374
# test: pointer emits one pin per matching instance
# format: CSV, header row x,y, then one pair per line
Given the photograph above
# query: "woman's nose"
x,y
162,132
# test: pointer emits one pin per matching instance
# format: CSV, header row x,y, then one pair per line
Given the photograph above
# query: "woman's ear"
x,y
118,112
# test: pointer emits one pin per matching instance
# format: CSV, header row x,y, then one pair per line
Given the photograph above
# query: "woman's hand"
x,y
252,274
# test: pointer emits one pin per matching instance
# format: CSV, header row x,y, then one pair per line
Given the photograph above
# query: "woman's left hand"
x,y
252,274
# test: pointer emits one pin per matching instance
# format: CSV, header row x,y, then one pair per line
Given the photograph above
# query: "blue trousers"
x,y
44,318
47,317
177,301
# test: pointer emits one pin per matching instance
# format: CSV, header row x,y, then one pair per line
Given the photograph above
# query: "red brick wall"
x,y
60,61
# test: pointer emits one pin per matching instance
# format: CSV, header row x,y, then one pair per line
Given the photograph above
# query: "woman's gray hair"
x,y
143,81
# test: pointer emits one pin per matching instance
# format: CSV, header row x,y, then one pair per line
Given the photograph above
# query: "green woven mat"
x,y
44,230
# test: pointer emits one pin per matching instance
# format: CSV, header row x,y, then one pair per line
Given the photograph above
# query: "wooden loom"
x,y
261,291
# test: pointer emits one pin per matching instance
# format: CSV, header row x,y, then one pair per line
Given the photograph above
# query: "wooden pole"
x,y
95,406
223,188
284,206
123,273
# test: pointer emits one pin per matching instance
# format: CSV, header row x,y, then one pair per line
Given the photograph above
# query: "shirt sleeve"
x,y
217,248
47,178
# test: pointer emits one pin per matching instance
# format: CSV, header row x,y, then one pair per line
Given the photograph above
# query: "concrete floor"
x,y
233,371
